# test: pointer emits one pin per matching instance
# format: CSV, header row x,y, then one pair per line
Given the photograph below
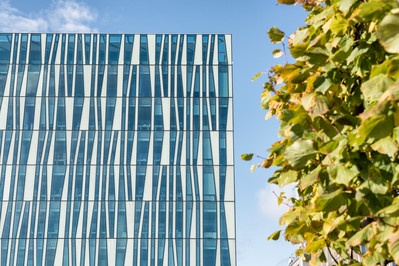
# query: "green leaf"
x,y
247,156
393,246
257,76
329,147
380,69
339,25
385,146
290,72
275,235
356,53
330,201
361,236
340,55
376,183
286,178
319,19
322,105
309,179
315,104
374,259
294,116
375,87
287,218
275,35
299,153
374,128
391,94
267,86
393,69
388,33
277,53
307,101
322,84
298,50
390,211
315,246
343,175
345,5
266,96
286,2
281,198
300,36
373,10
295,227
318,56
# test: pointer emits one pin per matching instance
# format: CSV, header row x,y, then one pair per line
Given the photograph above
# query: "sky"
x,y
257,212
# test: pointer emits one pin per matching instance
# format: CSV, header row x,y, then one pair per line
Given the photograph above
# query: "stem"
x,y
332,124
286,204
329,251
285,54
327,153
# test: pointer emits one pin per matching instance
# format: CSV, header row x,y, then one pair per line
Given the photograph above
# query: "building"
x,y
116,149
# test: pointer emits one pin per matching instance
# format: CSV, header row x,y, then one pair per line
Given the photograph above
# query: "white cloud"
x,y
61,16
12,20
70,16
267,200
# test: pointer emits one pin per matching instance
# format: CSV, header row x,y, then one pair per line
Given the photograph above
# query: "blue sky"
x,y
247,21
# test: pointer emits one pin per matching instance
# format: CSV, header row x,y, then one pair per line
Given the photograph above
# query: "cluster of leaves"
x,y
339,110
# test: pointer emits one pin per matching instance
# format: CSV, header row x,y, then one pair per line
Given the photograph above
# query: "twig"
x,y
329,251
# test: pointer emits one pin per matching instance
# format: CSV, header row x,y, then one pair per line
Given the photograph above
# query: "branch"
x,y
329,251
286,204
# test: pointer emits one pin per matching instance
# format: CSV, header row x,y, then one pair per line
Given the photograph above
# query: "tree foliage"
x,y
338,105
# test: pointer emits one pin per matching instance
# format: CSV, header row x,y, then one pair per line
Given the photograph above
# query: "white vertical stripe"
x,y
7,88
105,81
116,163
19,39
161,80
4,111
232,249
136,50
229,49
230,82
217,185
58,252
151,48
214,136
130,207
7,181
229,191
87,70
29,182
208,53
69,111
215,60
49,182
218,249
184,52
152,79
198,50
106,49
65,187
79,227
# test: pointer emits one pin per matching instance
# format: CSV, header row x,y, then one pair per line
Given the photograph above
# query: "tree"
x,y
338,105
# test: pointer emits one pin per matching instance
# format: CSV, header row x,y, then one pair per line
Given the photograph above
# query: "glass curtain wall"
x,y
116,149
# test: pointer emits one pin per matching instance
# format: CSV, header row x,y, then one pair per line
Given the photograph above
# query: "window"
x,y
114,48
5,48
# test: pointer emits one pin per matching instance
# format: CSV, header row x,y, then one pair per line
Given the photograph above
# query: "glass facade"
x,y
116,149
